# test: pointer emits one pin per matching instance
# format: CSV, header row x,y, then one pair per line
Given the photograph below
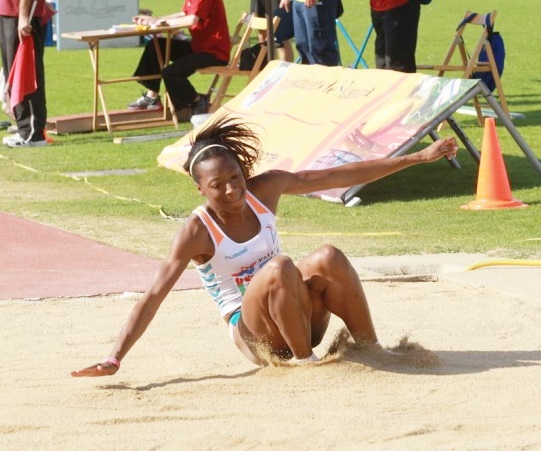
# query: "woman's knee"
x,y
168,73
286,286
329,256
182,67
281,268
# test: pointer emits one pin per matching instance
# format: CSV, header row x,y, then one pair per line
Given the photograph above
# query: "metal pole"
x,y
270,30
465,140
502,116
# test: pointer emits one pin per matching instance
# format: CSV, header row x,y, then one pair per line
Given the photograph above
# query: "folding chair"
x,y
469,63
247,26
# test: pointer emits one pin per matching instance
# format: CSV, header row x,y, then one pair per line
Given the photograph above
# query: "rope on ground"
x,y
161,211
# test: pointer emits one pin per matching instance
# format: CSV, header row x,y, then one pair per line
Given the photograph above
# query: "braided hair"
x,y
224,134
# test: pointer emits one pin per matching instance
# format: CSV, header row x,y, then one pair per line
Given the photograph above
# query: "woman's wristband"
x,y
113,361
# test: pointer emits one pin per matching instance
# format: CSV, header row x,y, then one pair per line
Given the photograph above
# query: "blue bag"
x,y
498,49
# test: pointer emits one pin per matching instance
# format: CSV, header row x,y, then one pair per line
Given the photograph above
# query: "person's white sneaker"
x,y
18,141
295,361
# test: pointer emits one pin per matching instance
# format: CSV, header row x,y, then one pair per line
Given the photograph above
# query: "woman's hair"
x,y
224,134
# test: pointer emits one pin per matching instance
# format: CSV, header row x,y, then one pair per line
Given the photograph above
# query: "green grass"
x,y
416,211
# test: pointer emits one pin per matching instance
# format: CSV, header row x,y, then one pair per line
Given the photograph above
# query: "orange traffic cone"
x,y
493,190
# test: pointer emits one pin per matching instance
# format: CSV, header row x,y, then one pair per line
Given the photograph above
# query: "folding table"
x,y
93,39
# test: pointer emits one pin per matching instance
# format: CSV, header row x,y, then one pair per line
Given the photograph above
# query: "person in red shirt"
x,y
17,22
395,23
209,45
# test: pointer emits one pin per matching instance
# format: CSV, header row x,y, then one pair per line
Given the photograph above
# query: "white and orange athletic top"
x,y
228,273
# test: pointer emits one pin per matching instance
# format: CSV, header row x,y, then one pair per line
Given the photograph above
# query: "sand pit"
x,y
469,380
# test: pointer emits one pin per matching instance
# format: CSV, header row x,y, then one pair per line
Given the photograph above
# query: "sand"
x,y
470,378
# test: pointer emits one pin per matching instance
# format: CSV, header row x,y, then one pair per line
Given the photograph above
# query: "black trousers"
x,y
184,63
396,36
31,113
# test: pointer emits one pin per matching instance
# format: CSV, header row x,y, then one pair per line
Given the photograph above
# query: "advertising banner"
x,y
315,117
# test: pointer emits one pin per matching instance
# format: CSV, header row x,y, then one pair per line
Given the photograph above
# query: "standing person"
x,y
15,25
396,23
272,305
209,45
314,24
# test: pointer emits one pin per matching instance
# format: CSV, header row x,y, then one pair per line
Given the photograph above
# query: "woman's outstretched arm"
x,y
185,244
362,172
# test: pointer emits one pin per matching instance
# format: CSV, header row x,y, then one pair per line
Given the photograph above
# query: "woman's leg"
x,y
175,76
287,307
149,65
335,287
276,312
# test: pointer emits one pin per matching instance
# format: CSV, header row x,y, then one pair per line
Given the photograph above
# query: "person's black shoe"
x,y
201,106
184,114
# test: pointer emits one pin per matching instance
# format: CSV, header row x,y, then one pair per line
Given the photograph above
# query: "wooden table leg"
x,y
163,60
93,48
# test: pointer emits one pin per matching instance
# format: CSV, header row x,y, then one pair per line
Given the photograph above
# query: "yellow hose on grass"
x,y
510,262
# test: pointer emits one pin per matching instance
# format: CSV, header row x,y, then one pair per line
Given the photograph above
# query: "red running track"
x,y
38,261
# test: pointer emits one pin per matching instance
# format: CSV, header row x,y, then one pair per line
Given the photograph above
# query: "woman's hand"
x,y
441,148
100,369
